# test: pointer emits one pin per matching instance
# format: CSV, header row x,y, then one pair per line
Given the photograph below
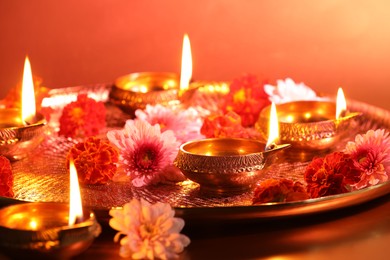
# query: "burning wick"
x,y
341,104
30,120
269,147
75,207
28,95
273,132
186,65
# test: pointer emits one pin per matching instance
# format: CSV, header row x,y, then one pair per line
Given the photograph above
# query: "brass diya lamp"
x,y
311,125
21,130
229,165
136,90
46,229
225,165
18,139
41,230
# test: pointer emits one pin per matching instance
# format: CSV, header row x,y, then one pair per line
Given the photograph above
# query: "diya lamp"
x,y
21,130
136,90
228,165
311,125
48,229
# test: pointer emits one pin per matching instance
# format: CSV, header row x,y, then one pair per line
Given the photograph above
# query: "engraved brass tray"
x,y
42,176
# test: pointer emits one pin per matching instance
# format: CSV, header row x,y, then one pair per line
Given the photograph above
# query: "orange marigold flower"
x,y
331,175
95,160
6,178
279,190
228,125
247,98
84,117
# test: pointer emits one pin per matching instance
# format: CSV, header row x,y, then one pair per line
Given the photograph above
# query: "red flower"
x,y
84,117
6,178
228,125
331,175
279,190
95,161
247,98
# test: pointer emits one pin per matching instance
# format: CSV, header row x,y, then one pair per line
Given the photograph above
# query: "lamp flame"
x,y
28,95
341,104
186,64
75,206
273,130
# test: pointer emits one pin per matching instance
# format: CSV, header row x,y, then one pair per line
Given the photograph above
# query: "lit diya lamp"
x,y
136,90
21,130
48,230
311,125
228,165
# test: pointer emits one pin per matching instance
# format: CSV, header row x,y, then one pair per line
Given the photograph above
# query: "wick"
x,y
30,120
344,113
79,220
270,147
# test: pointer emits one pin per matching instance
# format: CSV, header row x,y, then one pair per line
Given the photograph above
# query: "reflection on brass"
x,y
16,138
309,125
225,165
134,91
42,230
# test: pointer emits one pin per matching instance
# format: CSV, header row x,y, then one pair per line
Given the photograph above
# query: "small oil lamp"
x,y
311,125
48,230
228,165
21,130
136,90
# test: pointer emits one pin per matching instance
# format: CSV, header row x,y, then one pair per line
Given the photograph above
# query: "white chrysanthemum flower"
x,y
148,231
287,91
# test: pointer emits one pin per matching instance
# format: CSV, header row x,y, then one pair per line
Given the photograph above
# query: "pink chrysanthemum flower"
x,y
371,153
144,151
185,124
150,230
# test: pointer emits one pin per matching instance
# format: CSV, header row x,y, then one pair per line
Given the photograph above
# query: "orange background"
x,y
325,44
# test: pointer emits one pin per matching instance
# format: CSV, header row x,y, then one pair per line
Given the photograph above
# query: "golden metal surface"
x,y
16,139
41,230
225,165
308,125
136,90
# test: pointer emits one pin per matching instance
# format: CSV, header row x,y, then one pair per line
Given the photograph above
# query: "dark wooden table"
x,y
359,232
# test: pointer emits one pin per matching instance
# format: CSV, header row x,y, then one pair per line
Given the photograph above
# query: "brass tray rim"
x,y
261,211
